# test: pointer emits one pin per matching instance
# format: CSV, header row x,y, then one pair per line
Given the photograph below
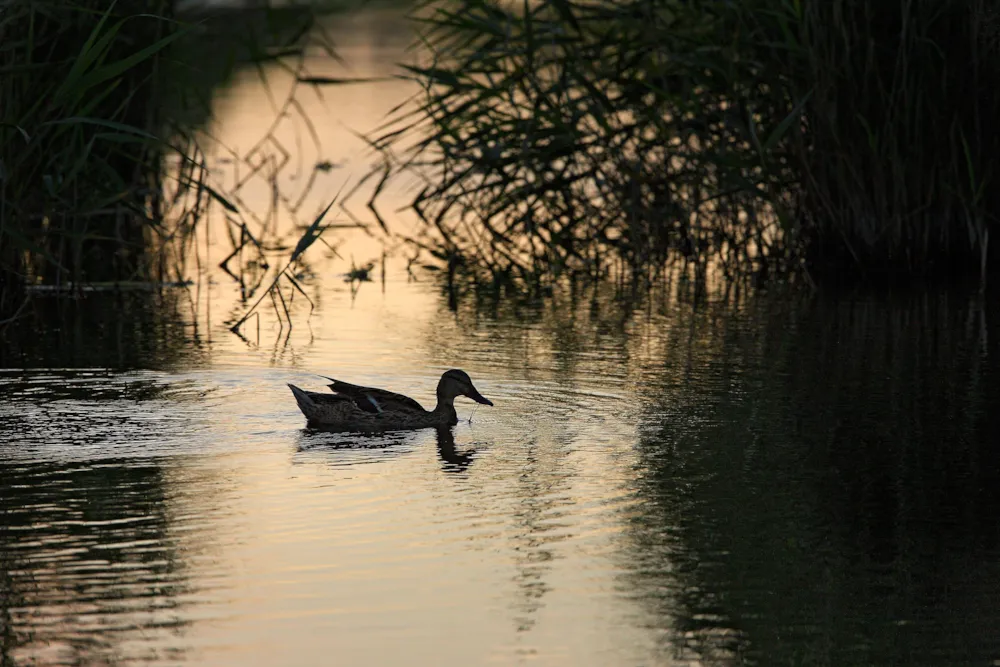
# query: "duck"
x,y
355,408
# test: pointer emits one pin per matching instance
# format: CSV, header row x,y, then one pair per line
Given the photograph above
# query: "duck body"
x,y
355,408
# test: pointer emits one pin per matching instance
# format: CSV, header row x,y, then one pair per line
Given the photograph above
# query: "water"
x,y
764,482
665,479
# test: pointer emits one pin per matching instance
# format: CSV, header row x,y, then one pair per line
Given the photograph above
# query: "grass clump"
x,y
759,138
104,162
79,158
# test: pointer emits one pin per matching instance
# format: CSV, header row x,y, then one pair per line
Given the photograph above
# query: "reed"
x,y
82,147
754,138
104,177
79,154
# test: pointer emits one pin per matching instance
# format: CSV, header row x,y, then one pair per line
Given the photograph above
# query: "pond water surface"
x,y
692,482
666,478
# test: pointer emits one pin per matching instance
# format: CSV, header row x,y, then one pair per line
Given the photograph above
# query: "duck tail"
x,y
306,404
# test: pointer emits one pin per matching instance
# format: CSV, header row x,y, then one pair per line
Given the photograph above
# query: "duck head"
x,y
458,383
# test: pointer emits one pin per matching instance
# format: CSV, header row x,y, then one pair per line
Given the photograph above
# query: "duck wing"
x,y
374,400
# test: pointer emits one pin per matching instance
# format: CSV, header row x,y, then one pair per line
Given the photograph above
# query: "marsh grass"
x,y
105,173
758,138
79,151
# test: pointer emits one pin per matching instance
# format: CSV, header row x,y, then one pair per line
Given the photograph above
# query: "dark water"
x,y
775,480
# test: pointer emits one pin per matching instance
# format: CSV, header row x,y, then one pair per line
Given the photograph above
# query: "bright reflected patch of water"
x,y
153,515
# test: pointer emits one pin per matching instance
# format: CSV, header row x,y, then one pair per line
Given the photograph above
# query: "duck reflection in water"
x,y
360,448
451,459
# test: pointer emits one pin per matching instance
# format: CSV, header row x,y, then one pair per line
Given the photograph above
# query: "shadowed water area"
x,y
672,477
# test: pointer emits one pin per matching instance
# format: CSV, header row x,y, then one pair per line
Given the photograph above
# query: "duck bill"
x,y
478,398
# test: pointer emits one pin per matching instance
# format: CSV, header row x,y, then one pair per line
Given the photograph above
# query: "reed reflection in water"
x,y
89,572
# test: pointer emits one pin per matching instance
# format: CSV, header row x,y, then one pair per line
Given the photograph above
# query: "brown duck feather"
x,y
374,400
